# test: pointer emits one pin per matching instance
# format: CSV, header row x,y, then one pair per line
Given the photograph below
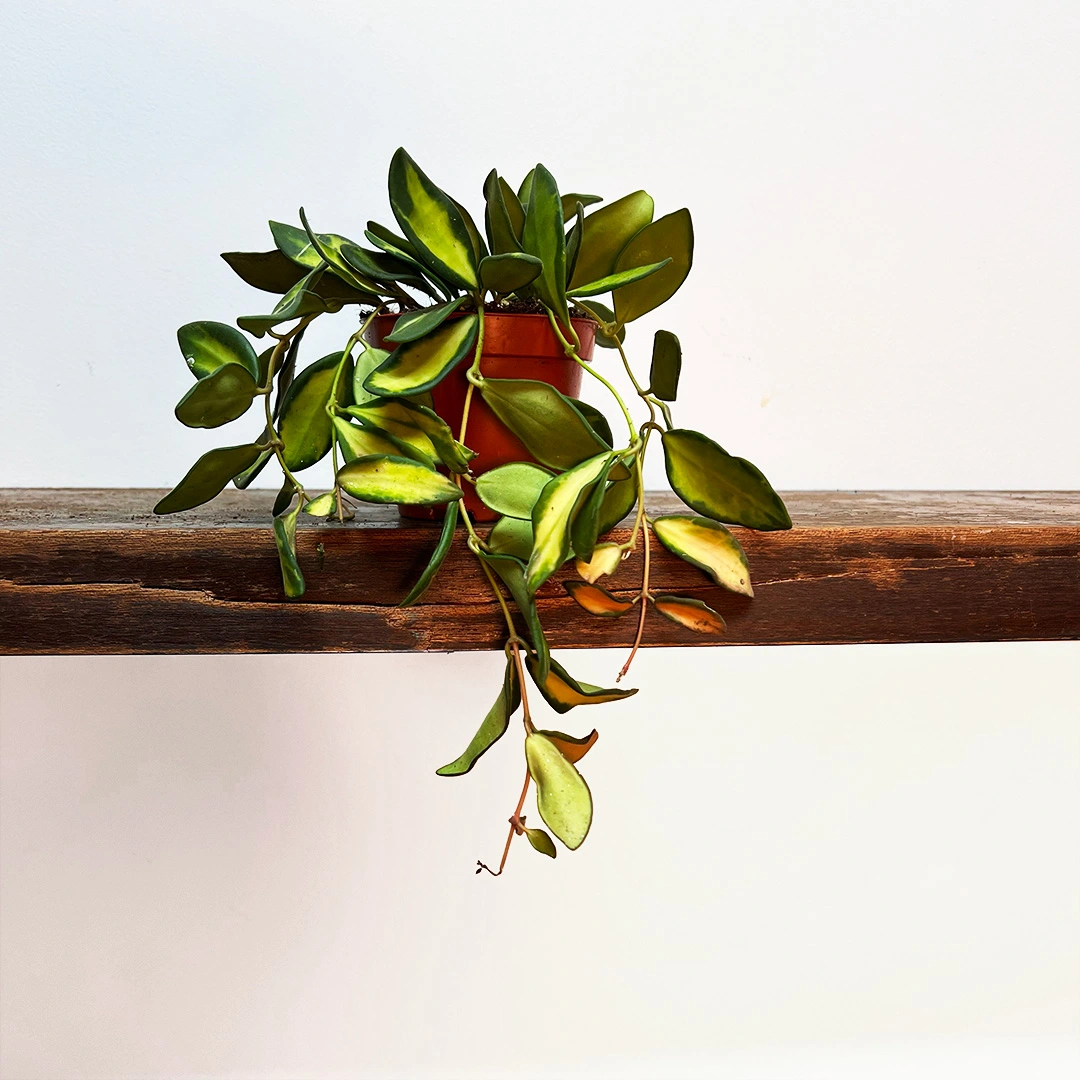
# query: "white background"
x,y
806,862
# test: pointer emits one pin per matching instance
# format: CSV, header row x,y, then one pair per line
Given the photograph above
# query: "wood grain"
x,y
85,571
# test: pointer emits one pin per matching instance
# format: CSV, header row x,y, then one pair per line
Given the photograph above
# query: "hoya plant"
x,y
371,409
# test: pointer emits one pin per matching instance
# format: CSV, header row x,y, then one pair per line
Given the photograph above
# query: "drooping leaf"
x,y
585,527
708,545
617,280
271,271
512,536
670,237
294,243
719,485
432,222
300,300
554,513
503,215
691,613
541,841
387,479
388,241
321,506
606,232
356,442
242,479
479,248
606,559
512,490
217,399
562,796
385,269
493,727
284,497
418,426
285,539
605,313
562,692
619,499
666,365
597,601
423,363
509,272
207,477
596,420
305,426
367,361
549,424
570,201
330,249
572,748
512,572
524,192
208,346
385,422
417,324
446,540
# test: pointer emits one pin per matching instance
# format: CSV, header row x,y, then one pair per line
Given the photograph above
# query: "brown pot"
x,y
515,347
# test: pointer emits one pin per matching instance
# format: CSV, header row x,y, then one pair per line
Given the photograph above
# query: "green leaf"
x,y
512,489
666,365
285,539
597,601
242,479
618,280
549,424
512,536
321,506
300,300
573,239
512,572
492,729
432,222
366,362
608,316
422,364
418,426
720,486
479,248
388,422
563,692
503,216
217,399
208,476
585,527
596,420
398,246
670,237
284,497
385,271
208,346
708,545
387,479
295,244
357,442
619,499
691,613
606,232
524,192
305,426
271,271
446,539
554,513
329,249
562,796
541,841
570,201
544,237
509,272
417,324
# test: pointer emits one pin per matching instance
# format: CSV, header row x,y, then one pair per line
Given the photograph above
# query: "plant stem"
x,y
473,374
515,824
644,596
571,351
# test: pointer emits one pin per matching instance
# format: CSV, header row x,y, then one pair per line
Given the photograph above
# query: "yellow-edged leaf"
x,y
385,479
691,613
597,601
562,796
421,364
708,545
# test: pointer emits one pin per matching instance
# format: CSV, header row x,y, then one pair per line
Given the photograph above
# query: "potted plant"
x,y
458,397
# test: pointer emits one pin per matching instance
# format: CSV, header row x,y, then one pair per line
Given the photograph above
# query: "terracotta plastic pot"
x,y
515,347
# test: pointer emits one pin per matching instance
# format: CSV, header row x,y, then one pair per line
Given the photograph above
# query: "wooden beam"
x,y
93,571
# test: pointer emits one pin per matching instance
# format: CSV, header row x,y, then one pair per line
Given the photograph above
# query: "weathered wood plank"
x,y
95,572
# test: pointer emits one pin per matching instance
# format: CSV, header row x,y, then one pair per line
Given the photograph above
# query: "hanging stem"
x,y
473,374
515,830
644,597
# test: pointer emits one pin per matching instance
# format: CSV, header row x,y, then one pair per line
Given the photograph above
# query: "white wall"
x,y
807,862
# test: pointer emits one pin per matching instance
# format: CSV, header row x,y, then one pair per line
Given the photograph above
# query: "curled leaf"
x,y
493,727
606,559
541,841
563,692
446,539
220,397
571,747
285,539
597,601
691,613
